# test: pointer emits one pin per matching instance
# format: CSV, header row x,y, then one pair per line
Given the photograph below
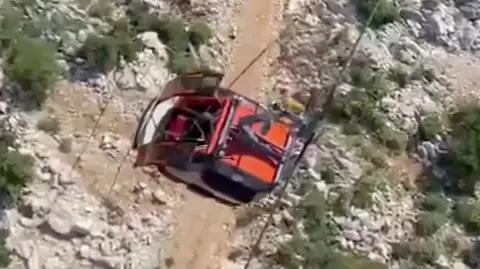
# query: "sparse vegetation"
x,y
386,13
318,250
15,171
424,251
400,75
36,79
328,175
199,33
21,45
431,126
361,105
392,138
423,73
435,202
468,215
101,10
49,125
248,215
362,194
400,250
429,222
104,53
4,252
465,125
180,37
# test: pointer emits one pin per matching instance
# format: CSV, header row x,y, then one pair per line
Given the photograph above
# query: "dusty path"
x,y
77,110
205,226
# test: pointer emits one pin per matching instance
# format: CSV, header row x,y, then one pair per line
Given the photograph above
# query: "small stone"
x,y
84,252
159,197
53,263
352,235
59,224
321,186
442,261
106,142
277,220
460,265
82,227
44,176
3,107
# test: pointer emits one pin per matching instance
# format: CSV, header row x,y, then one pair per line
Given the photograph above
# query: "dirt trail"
x,y
77,110
205,226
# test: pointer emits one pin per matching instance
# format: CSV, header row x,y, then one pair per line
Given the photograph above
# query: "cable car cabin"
x,y
228,145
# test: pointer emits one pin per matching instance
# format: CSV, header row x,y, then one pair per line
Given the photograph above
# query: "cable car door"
x,y
151,127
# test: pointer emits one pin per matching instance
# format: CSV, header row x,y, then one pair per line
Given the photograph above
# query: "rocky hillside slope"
x,y
391,182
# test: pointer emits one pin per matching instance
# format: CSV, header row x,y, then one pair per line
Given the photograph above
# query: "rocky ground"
x,y
357,193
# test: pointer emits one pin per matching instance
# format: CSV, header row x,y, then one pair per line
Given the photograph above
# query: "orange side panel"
x,y
237,155
250,161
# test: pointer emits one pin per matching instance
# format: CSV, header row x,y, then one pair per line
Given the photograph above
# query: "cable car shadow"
x,y
198,190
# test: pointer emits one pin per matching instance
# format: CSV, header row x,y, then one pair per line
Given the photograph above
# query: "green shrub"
x,y
127,43
351,128
386,12
431,126
362,194
182,63
465,146
148,22
328,175
350,261
8,138
171,31
101,10
362,105
15,171
103,53
175,33
399,75
428,223
435,202
393,139
100,52
5,259
401,250
374,155
10,22
317,249
136,11
423,73
461,211
468,214
31,63
199,33
424,251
